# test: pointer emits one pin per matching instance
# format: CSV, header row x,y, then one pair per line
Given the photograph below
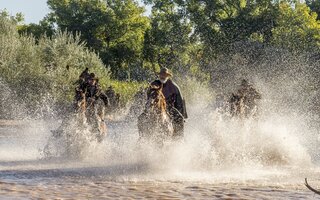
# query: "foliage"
x,y
126,89
113,28
45,27
167,40
183,35
187,36
314,6
48,67
297,28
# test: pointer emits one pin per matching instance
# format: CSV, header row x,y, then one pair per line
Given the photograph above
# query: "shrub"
x,y
46,68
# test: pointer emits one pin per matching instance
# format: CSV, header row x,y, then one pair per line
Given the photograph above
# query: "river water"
x,y
218,158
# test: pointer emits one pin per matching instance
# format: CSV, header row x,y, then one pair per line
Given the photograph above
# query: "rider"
x,y
112,95
249,95
82,82
174,100
85,74
93,87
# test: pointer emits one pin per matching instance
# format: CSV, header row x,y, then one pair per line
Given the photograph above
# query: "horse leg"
x,y
82,113
102,125
178,128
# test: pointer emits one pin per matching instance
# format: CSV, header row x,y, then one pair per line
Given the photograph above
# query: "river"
x,y
217,159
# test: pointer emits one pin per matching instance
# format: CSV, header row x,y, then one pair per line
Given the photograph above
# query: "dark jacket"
x,y
174,98
93,91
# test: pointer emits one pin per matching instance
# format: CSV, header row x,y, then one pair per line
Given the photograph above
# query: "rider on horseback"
x,y
175,102
95,108
93,91
93,88
248,95
113,99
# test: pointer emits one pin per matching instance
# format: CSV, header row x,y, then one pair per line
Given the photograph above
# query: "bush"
x,y
46,68
126,89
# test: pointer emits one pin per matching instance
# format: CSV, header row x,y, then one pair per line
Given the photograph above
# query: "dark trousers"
x,y
177,122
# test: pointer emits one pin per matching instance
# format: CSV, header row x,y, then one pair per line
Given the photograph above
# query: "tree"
x,y
297,28
114,28
124,49
169,37
314,6
221,23
45,27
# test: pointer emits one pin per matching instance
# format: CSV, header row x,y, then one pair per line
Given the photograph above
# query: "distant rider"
x,y
249,96
85,74
113,98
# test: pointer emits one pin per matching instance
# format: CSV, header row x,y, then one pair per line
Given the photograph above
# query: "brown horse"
x,y
85,113
154,123
95,115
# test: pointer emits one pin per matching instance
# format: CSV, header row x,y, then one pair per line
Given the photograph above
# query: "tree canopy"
x,y
180,34
113,28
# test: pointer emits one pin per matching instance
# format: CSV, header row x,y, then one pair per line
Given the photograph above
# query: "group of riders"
x,y
88,89
164,102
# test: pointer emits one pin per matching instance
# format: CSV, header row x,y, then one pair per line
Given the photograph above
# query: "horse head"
x,y
154,121
155,98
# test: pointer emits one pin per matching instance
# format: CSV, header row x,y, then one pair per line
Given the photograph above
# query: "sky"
x,y
33,10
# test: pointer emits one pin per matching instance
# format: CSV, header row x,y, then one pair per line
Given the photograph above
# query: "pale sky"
x,y
33,10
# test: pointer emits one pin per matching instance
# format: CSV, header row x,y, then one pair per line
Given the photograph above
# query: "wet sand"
x,y
98,188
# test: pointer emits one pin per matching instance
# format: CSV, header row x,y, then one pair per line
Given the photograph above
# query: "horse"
x,y
237,106
242,106
154,123
95,116
86,113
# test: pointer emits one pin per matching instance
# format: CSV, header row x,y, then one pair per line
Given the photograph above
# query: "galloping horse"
x,y
95,114
237,107
154,123
241,107
88,113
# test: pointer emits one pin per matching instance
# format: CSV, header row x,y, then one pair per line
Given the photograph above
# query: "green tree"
x,y
169,38
314,6
45,27
114,28
297,28
221,23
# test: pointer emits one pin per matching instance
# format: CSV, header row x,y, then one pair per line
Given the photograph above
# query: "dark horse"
x,y
154,123
237,107
241,107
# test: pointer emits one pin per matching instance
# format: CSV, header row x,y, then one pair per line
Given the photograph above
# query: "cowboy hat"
x,y
166,71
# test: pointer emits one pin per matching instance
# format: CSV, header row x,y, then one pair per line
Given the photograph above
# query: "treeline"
x,y
184,35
